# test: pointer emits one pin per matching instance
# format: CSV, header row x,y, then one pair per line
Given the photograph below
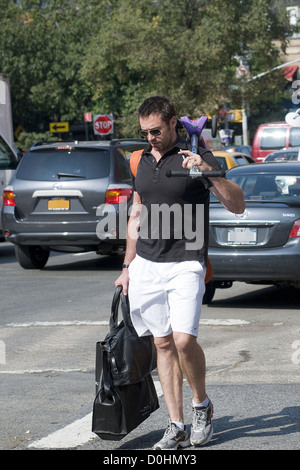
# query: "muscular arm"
x,y
228,193
132,235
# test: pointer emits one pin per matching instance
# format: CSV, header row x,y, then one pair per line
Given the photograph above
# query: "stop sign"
x,y
103,124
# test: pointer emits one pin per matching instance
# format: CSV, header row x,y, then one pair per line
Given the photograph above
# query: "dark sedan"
x,y
262,245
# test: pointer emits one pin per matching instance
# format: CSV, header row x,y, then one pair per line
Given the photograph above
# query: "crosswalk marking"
x,y
204,322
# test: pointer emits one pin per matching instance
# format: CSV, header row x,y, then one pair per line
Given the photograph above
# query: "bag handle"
x,y
113,321
118,295
107,381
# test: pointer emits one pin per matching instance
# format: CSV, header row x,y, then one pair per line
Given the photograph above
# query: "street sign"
x,y
88,117
59,127
242,71
103,124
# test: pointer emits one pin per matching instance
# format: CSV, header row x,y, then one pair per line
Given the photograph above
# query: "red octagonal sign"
x,y
103,124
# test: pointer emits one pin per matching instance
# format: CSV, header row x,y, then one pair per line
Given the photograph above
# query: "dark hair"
x,y
157,105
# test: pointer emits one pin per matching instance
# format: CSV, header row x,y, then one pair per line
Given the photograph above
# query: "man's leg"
x,y
170,376
171,379
192,362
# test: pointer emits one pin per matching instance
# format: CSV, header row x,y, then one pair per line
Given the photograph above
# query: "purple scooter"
x,y
194,130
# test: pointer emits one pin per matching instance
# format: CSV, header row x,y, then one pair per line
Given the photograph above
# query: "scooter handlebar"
x,y
185,172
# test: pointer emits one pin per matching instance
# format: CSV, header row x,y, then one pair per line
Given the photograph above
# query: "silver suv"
x,y
67,197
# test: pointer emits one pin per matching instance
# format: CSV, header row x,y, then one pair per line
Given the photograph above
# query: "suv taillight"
x,y
295,232
113,195
9,198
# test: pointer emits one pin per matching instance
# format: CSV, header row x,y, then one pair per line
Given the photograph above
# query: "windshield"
x,y
54,165
274,138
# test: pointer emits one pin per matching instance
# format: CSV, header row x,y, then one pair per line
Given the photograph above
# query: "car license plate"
x,y
58,204
242,236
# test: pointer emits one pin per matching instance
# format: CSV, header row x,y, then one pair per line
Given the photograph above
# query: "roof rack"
x,y
114,141
43,142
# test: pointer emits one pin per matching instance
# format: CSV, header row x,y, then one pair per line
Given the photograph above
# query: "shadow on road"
x,y
271,297
230,429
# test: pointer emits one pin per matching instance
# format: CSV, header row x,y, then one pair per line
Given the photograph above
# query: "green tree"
x,y
41,52
106,56
187,49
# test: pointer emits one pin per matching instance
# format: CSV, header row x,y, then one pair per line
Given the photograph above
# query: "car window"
x,y
7,157
274,138
294,137
122,169
222,162
54,165
282,156
271,187
240,160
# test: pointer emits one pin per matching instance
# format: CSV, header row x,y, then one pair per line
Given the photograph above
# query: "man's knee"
x,y
164,344
184,342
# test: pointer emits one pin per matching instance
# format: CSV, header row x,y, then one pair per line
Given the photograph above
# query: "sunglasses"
x,y
154,132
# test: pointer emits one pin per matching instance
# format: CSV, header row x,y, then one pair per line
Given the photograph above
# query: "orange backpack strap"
x,y
134,160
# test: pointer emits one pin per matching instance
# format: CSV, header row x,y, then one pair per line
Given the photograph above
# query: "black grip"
x,y
177,173
213,173
207,174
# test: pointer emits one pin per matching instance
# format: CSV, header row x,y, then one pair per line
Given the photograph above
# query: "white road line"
x,y
57,323
225,322
204,322
42,371
74,434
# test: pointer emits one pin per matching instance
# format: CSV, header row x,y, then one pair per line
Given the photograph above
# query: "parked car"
x,y
8,164
290,154
273,136
230,159
66,197
262,245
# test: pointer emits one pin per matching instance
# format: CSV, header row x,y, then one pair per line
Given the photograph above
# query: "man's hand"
x,y
123,280
193,159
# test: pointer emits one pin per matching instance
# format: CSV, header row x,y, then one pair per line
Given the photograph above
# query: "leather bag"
x,y
130,357
125,392
119,410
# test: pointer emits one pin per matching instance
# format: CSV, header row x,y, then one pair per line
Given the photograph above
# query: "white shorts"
x,y
166,297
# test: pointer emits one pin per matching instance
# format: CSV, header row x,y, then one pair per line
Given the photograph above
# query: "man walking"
x,y
165,263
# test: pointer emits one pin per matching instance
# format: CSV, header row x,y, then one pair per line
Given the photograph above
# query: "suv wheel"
x,y
31,257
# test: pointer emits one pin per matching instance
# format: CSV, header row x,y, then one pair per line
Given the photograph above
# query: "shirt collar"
x,y
180,144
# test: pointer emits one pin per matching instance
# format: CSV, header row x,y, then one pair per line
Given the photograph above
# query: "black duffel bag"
x,y
119,410
125,392
130,357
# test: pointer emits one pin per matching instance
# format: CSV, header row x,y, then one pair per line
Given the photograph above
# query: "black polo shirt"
x,y
175,210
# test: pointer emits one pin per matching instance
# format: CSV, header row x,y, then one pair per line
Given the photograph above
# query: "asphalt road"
x,y
50,321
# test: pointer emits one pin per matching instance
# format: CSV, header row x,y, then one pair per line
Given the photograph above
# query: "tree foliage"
x,y
108,55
